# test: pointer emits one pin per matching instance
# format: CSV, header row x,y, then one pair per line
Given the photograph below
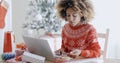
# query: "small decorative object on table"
x,y
6,56
32,58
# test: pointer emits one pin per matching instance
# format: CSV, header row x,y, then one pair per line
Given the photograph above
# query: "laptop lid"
x,y
39,46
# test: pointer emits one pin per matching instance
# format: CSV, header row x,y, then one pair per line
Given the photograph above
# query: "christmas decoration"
x,y
41,14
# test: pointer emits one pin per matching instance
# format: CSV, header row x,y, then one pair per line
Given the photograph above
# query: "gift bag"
x,y
9,42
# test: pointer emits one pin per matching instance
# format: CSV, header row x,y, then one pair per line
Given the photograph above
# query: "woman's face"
x,y
73,17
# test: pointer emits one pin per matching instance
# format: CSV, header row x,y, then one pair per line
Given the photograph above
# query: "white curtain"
x,y
107,15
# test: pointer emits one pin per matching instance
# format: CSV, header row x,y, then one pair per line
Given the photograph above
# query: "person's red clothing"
x,y
83,37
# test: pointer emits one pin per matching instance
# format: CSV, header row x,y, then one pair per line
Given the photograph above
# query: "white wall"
x,y
108,16
18,17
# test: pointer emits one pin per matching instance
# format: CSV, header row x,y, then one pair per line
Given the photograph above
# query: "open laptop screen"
x,y
39,46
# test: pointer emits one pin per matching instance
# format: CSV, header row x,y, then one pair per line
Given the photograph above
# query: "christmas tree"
x,y
41,14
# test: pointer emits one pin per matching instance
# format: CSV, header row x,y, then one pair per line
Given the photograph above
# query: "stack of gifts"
x,y
32,58
54,41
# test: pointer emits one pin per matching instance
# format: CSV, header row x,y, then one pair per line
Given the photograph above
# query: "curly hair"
x,y
84,6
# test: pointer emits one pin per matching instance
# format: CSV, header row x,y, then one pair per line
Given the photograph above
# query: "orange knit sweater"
x,y
81,37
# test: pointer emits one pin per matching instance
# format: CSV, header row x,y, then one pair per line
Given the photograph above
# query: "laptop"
x,y
40,47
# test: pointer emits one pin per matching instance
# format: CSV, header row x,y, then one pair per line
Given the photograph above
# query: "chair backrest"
x,y
105,37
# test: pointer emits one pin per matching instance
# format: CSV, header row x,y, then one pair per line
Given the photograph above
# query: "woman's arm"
x,y
93,49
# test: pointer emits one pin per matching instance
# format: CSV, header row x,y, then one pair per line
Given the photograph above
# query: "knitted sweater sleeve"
x,y
93,49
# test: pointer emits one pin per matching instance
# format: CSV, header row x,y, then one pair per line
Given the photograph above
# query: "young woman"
x,y
79,38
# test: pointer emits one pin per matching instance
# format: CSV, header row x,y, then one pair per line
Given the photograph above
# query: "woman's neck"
x,y
76,25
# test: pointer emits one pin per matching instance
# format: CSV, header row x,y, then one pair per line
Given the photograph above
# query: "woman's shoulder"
x,y
91,27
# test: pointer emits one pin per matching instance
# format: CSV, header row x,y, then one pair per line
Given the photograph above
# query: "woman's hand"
x,y
60,52
75,53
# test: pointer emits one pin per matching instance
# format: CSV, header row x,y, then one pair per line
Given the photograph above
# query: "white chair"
x,y
105,45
